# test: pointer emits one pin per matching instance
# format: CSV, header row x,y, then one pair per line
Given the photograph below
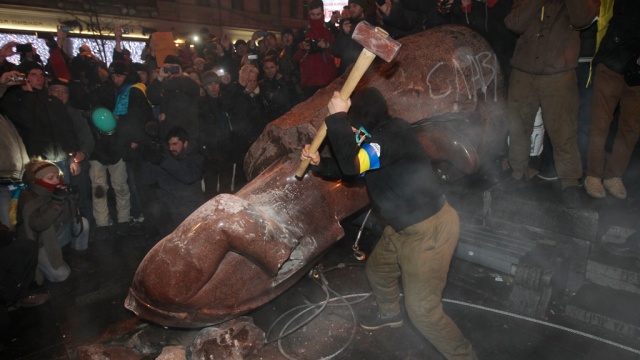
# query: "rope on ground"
x,y
363,296
321,305
541,322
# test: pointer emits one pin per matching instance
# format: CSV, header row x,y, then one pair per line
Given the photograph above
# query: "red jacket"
x,y
316,69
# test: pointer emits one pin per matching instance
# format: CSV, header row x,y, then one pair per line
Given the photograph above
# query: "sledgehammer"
x,y
376,42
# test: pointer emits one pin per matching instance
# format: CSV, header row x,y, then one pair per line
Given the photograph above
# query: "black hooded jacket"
x,y
394,165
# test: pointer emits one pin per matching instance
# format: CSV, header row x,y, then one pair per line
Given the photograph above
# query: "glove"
x,y
152,152
59,195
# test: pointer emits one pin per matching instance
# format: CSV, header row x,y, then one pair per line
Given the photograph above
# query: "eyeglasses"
x,y
361,135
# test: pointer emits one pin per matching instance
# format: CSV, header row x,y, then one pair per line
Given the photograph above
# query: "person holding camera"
x,y
317,65
177,96
176,180
6,51
43,121
48,214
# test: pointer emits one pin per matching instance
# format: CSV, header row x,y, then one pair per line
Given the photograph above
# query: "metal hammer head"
x,y
376,40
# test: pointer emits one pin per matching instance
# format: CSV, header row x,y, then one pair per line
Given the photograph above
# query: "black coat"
x,y
248,119
402,184
621,44
214,138
279,96
43,123
131,126
178,101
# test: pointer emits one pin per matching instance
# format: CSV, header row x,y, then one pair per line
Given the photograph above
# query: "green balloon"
x,y
104,120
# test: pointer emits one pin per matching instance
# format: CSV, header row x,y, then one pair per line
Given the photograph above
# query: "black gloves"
x,y
60,195
152,152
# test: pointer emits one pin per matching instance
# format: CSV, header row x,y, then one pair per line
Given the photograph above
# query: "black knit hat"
x,y
368,108
27,66
59,81
119,67
362,3
286,31
140,67
209,77
172,59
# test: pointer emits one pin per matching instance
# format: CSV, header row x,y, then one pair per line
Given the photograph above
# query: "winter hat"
x,y
38,169
140,67
27,66
119,67
286,31
368,108
59,81
362,3
209,77
172,59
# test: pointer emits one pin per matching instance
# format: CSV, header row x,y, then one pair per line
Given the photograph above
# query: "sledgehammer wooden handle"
x,y
375,42
359,68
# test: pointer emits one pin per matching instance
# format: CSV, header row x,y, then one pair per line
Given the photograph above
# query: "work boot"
x,y
594,188
615,187
32,300
571,197
379,320
629,248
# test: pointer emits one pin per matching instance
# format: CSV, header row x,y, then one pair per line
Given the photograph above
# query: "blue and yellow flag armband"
x,y
369,157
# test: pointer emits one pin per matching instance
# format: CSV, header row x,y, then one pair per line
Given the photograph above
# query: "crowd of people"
x,y
95,149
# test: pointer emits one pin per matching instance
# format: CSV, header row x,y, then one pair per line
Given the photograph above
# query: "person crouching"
x,y
48,214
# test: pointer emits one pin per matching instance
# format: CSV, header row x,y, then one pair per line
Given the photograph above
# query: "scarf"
x,y
122,99
45,185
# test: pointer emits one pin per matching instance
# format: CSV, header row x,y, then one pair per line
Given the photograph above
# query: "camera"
x,y
313,45
125,30
252,57
67,190
72,189
66,28
220,72
261,33
172,69
24,48
17,79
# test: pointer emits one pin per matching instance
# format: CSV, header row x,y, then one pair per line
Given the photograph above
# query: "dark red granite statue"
x,y
237,252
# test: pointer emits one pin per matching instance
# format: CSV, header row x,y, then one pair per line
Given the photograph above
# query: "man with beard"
x,y
177,181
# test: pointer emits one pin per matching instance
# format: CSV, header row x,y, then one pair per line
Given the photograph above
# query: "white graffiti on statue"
x,y
482,76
